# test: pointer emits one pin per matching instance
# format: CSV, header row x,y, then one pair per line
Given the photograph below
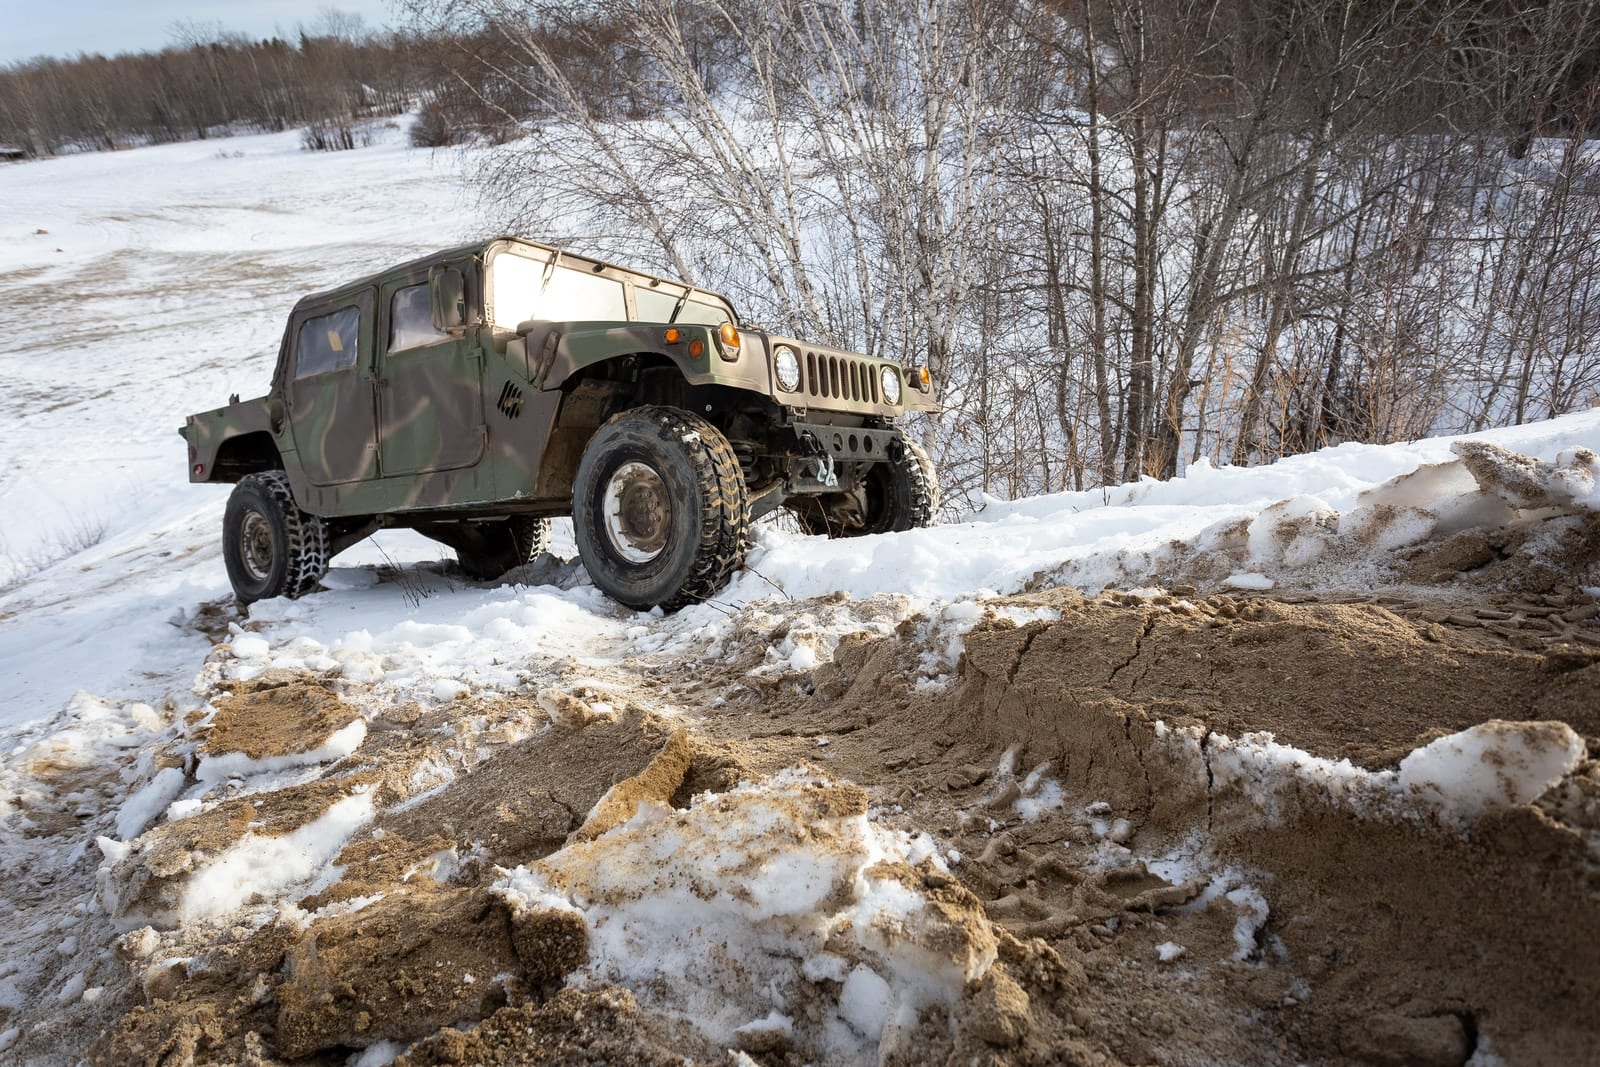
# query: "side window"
x,y
411,319
329,342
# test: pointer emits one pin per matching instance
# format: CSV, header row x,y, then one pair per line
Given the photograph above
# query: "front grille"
x,y
839,378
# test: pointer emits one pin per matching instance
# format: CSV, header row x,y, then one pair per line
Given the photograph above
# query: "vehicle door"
x,y
329,390
430,388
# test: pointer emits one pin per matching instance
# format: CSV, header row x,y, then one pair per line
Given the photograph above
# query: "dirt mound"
x,y
265,719
1081,846
1224,909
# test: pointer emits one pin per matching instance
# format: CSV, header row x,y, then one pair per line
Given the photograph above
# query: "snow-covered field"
x,y
140,286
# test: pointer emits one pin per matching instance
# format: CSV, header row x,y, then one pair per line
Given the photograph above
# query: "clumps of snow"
x,y
789,905
1033,796
1490,767
250,647
144,805
1040,795
1577,478
1231,887
261,866
866,1001
802,640
89,732
1253,914
773,1029
526,891
1291,530
1348,520
378,1054
71,989
1457,779
182,809
942,634
473,640
223,766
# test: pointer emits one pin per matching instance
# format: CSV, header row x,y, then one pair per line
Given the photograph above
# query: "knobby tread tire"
x,y
503,547
532,537
725,517
308,538
930,479
722,525
305,538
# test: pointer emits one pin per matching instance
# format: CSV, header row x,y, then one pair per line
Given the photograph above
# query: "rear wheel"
x,y
271,547
660,511
900,493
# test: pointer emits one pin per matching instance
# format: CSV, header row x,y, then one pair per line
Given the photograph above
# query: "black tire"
x,y
659,509
930,479
270,546
497,547
897,494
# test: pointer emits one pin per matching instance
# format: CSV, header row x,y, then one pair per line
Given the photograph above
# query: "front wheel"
x,y
271,547
659,508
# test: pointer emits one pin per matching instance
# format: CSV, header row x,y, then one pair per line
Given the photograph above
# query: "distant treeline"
x,y
208,83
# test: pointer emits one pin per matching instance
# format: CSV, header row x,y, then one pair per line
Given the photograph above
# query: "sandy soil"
x,y
1162,913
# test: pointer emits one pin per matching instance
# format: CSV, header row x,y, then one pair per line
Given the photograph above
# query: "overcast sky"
x,y
31,28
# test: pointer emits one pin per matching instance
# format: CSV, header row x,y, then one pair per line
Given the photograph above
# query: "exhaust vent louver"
x,y
510,402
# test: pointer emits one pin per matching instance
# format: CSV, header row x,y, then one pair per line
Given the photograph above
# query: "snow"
x,y
1168,951
259,865
1253,913
226,765
142,807
1456,779
1491,766
377,1054
769,896
772,1024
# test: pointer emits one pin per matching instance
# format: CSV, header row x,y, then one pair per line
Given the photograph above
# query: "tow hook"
x,y
825,472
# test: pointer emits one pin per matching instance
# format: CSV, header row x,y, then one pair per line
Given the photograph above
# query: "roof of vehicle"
x,y
477,250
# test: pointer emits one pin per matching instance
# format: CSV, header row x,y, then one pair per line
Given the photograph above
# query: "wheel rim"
x,y
638,512
255,545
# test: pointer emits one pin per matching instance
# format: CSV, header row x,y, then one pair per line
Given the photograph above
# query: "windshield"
x,y
522,286
519,291
656,305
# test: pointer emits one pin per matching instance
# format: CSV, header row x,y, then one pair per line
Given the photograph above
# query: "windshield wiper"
x,y
549,272
676,308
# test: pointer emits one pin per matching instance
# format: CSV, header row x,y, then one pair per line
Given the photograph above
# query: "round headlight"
x,y
891,385
787,363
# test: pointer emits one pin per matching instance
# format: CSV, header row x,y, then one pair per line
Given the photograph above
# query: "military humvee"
x,y
474,393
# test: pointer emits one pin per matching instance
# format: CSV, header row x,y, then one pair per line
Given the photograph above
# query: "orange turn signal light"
x,y
697,348
924,379
729,334
673,335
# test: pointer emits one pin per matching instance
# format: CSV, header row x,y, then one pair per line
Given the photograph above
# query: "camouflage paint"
x,y
479,421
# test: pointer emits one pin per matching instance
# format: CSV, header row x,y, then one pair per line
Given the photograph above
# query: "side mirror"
x,y
448,292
